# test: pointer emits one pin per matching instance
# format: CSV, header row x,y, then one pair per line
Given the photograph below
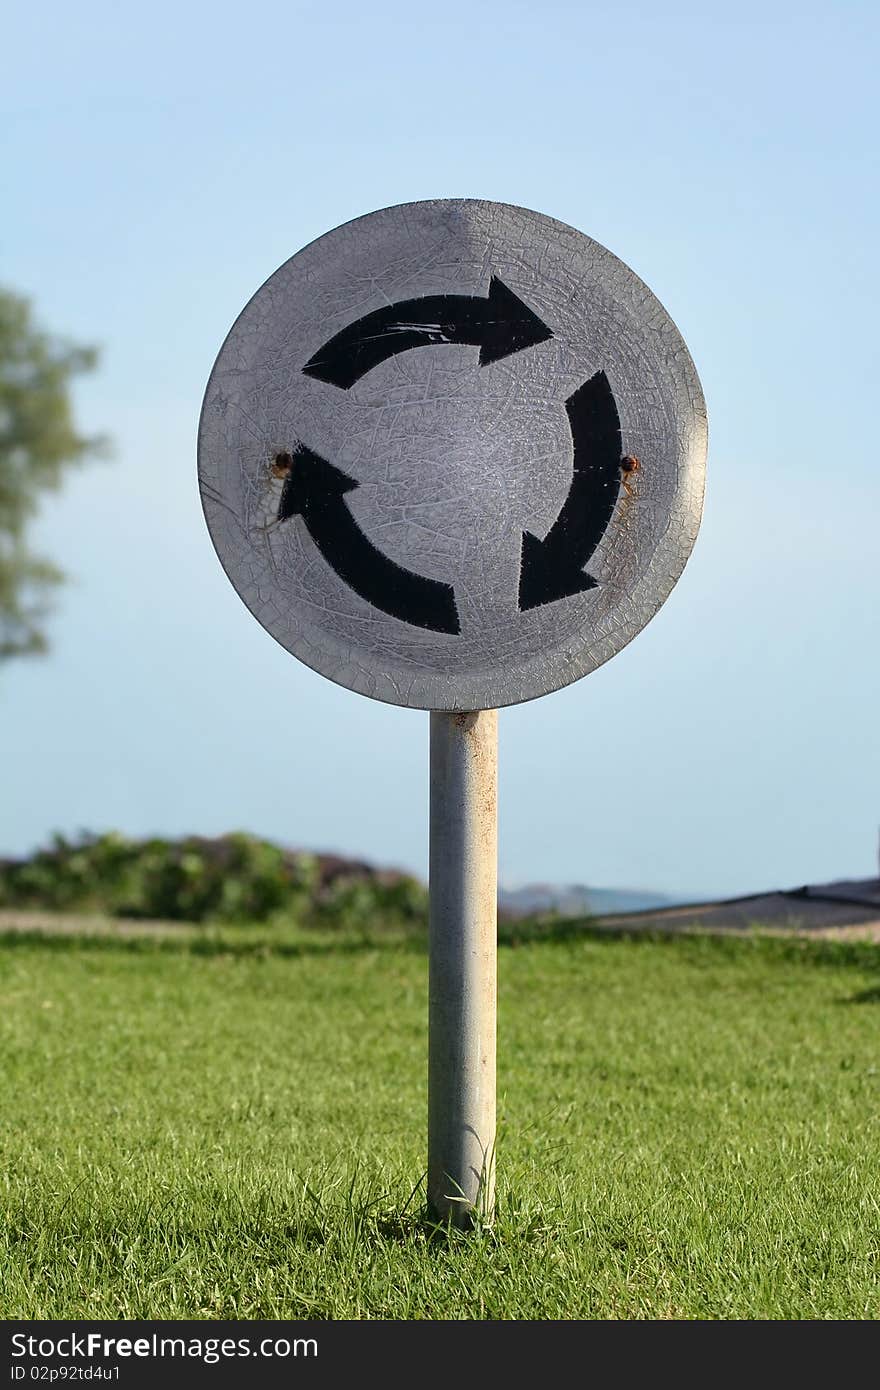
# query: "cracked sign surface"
x,y
452,455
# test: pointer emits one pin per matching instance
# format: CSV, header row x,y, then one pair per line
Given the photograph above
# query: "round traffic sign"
x,y
452,455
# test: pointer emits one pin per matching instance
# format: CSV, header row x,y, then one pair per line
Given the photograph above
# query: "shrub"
x,y
234,878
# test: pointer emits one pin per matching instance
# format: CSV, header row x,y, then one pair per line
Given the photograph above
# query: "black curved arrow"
x,y
553,568
499,325
315,490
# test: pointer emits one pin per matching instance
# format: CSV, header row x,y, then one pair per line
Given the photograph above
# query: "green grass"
x,y
216,1128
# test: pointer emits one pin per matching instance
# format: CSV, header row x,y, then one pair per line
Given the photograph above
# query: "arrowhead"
x,y
312,485
545,575
510,325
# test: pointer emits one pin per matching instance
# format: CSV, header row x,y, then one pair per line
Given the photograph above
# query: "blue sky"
x,y
160,163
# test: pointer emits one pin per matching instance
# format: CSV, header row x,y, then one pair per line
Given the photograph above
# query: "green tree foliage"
x,y
38,442
233,878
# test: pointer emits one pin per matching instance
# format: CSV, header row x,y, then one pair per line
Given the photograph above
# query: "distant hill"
x,y
576,900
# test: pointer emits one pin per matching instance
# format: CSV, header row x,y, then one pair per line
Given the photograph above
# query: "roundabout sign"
x,y
451,455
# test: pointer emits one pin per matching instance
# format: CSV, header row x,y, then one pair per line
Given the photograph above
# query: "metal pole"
x,y
462,965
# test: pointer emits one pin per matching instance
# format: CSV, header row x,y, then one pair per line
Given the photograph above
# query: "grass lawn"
x,y
689,1128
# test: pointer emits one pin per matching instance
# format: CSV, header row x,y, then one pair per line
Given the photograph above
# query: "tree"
x,y
38,443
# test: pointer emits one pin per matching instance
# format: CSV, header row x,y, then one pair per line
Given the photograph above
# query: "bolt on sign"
x,y
452,455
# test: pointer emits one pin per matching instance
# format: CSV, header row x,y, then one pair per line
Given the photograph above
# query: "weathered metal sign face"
x,y
452,455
